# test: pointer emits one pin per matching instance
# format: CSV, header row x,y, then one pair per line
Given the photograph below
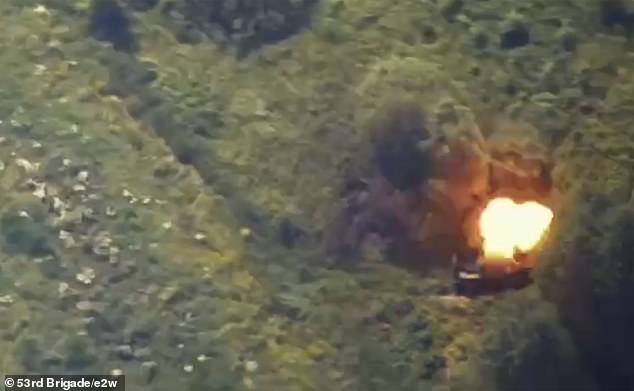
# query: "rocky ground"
x,y
167,179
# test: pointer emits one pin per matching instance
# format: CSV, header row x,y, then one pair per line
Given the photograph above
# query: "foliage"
x,y
185,144
524,347
594,286
246,24
23,235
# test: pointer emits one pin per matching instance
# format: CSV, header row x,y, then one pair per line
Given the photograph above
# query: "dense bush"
x,y
108,22
524,347
594,287
247,24
22,235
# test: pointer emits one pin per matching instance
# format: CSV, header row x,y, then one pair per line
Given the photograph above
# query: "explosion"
x,y
507,227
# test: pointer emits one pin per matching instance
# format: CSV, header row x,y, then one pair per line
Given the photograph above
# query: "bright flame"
x,y
506,226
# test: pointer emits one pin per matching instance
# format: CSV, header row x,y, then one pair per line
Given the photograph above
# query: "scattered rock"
x,y
245,232
101,243
111,211
40,69
67,239
27,166
86,275
41,10
78,188
57,206
251,366
82,176
62,288
39,188
84,305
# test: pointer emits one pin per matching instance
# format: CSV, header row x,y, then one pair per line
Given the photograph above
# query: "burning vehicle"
x,y
509,231
445,194
509,223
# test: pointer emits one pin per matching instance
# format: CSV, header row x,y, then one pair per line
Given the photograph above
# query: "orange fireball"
x,y
507,227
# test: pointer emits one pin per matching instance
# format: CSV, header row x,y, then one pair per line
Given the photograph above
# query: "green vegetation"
x,y
187,190
23,235
523,337
243,24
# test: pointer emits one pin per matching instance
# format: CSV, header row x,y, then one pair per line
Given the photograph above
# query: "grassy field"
x,y
163,196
